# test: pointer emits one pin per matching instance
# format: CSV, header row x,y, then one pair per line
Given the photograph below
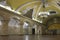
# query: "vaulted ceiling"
x,y
38,6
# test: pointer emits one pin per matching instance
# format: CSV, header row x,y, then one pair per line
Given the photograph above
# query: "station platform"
x,y
30,37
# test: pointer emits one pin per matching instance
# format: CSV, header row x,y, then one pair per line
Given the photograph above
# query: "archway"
x,y
53,25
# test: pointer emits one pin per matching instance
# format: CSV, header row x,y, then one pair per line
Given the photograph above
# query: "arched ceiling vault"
x,y
16,3
37,6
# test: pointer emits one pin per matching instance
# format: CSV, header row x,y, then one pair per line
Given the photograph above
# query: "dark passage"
x,y
33,31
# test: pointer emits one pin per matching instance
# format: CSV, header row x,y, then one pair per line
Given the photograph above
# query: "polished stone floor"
x,y
30,37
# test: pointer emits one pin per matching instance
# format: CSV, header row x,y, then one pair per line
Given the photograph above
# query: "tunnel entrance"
x,y
33,31
53,25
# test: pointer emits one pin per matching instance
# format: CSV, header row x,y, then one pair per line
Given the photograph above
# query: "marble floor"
x,y
30,37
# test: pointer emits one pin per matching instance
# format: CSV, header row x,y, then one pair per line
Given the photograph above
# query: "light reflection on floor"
x,y
30,37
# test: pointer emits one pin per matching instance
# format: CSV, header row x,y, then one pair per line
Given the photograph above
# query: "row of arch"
x,y
12,23
8,16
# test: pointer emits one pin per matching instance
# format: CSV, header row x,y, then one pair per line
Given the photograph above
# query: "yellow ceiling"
x,y
54,27
16,3
35,4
